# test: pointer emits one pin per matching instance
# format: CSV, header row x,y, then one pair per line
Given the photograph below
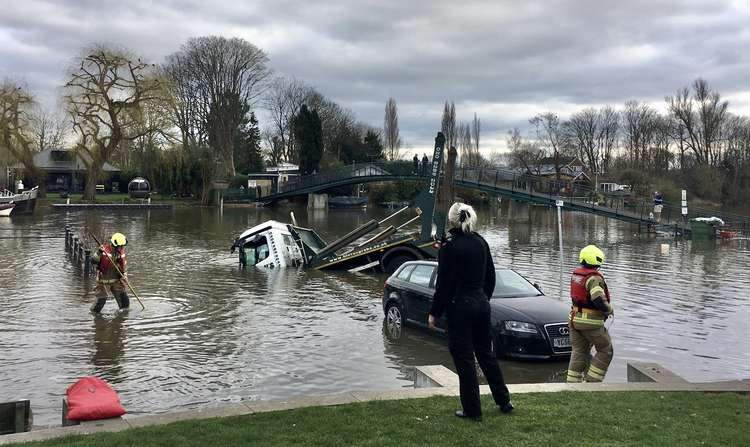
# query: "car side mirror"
x,y
538,287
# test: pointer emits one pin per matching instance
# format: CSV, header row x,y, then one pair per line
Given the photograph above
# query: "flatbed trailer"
x,y
275,244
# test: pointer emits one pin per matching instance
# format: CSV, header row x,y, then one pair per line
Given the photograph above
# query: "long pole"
x,y
560,238
122,275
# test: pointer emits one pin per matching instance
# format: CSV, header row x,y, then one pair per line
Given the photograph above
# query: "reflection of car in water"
x,y
525,322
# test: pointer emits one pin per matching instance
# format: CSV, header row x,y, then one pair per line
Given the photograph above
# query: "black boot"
x,y
123,301
461,414
99,305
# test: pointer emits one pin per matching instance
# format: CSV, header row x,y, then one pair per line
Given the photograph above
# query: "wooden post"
x,y
75,247
86,262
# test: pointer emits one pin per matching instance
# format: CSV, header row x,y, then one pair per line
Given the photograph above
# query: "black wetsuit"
x,y
466,278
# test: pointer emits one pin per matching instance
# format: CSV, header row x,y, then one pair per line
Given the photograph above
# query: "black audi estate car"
x,y
525,322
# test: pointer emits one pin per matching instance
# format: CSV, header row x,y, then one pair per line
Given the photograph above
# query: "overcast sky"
x,y
505,60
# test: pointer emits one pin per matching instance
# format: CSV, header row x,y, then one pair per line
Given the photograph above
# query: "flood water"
x,y
212,332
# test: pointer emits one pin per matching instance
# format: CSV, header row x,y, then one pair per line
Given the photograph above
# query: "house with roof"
x,y
572,170
65,170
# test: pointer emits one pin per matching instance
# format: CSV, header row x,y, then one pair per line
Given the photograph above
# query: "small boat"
x,y
24,201
6,208
342,202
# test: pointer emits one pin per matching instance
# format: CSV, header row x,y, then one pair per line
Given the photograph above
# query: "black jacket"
x,y
465,270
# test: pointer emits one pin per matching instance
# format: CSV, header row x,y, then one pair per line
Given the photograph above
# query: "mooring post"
x,y
75,247
86,262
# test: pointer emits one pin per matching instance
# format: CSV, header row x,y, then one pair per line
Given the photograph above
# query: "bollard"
x,y
75,247
86,262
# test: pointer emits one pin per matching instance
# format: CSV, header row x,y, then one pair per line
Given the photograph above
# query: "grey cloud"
x,y
506,55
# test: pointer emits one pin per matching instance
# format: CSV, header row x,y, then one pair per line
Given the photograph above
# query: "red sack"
x,y
91,398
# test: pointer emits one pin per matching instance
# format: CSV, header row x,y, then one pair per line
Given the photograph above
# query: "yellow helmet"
x,y
591,255
119,240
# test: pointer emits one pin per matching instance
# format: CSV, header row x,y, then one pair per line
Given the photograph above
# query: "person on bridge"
x,y
658,205
109,277
465,281
416,164
425,162
591,308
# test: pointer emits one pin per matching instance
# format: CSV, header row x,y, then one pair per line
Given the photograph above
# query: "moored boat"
x,y
6,209
344,202
24,201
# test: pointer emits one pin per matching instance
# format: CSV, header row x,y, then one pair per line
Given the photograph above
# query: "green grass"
x,y
549,419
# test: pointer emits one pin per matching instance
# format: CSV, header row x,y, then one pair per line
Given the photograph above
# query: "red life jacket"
x,y
578,292
104,262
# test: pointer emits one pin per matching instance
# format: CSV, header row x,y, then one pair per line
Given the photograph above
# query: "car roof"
x,y
435,263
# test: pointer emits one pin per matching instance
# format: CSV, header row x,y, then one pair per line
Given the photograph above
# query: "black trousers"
x,y
469,335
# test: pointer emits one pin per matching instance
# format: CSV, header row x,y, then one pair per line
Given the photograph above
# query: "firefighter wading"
x,y
107,275
591,308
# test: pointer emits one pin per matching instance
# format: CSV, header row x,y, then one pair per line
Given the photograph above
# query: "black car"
x,y
525,322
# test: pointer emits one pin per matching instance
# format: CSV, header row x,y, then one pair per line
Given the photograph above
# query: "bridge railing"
x,y
522,182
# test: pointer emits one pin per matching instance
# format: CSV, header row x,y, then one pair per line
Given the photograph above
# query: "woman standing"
x,y
465,281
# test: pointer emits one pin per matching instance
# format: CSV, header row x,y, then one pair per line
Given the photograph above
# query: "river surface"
x,y
212,332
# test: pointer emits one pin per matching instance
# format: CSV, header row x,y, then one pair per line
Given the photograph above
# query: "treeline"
x,y
186,122
697,144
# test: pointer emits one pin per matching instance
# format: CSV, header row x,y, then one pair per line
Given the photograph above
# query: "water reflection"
x,y
214,332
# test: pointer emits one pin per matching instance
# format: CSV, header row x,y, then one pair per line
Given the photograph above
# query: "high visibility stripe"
x,y
599,371
597,292
574,376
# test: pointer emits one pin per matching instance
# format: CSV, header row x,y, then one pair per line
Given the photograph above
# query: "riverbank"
x,y
116,199
610,418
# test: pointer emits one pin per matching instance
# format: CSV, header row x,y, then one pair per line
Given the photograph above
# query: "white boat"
x,y
24,201
6,209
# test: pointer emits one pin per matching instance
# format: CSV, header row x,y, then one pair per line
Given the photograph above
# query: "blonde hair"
x,y
462,216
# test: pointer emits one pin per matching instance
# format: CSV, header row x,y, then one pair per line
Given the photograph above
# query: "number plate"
x,y
562,342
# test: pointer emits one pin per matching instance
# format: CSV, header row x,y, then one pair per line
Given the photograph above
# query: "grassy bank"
x,y
555,419
115,198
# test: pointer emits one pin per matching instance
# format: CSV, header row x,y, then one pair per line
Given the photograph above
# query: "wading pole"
x,y
122,275
559,236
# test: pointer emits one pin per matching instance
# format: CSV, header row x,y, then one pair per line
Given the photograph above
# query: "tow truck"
x,y
274,244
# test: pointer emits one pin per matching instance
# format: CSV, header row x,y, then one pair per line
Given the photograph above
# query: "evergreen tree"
x,y
308,134
247,154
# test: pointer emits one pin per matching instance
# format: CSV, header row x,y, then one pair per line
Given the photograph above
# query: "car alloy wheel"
x,y
394,321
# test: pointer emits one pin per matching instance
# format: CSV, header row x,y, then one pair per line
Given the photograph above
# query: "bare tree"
x,y
448,124
283,101
702,116
465,144
186,105
476,129
551,138
105,96
639,126
224,77
16,127
523,154
390,129
49,129
594,134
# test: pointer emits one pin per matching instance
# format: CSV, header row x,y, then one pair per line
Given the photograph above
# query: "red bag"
x,y
91,398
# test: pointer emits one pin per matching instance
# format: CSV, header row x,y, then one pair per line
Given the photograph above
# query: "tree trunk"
x,y
93,173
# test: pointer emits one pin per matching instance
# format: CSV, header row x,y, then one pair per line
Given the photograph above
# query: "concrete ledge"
x,y
235,409
250,407
131,206
430,376
652,372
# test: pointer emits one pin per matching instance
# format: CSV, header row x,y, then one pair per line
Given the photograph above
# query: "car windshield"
x,y
509,284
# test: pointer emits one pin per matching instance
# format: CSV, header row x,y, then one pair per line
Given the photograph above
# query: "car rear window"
x,y
509,284
421,275
404,273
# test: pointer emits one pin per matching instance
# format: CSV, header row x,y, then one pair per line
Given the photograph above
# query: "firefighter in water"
x,y
591,308
108,277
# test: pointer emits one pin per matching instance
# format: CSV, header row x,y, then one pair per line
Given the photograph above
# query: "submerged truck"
x,y
274,244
